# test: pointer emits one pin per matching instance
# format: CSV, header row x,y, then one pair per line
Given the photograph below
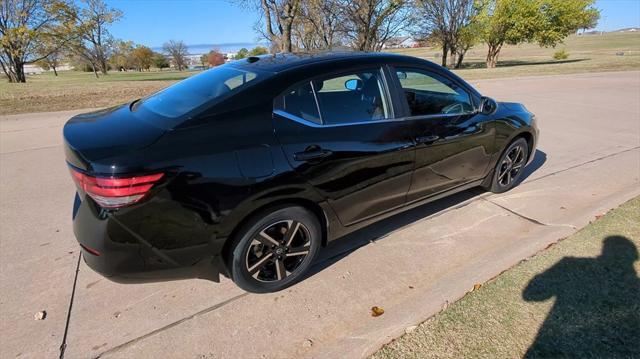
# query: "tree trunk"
x,y
453,57
14,69
20,76
54,70
445,52
95,72
287,46
492,55
460,58
103,66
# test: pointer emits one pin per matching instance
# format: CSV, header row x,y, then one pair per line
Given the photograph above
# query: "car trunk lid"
x,y
103,135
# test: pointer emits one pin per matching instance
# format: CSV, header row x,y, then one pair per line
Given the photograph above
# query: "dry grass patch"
x,y
74,90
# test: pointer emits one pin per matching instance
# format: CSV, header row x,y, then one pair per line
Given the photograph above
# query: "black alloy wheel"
x,y
275,250
510,166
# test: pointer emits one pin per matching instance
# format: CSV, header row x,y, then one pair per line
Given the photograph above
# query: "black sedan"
x,y
250,168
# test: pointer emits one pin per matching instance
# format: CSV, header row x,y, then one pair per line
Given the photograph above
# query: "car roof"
x,y
285,61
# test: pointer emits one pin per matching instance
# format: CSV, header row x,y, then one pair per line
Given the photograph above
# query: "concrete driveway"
x,y
411,265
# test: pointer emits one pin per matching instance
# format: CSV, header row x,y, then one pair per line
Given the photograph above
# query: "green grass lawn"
x,y
75,90
580,298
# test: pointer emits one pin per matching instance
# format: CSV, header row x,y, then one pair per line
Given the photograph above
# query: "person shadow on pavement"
x,y
597,305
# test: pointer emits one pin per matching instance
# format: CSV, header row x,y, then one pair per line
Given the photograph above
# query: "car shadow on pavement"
x,y
596,312
342,247
539,158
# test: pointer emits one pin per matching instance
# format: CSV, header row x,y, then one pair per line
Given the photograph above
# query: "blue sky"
x,y
152,22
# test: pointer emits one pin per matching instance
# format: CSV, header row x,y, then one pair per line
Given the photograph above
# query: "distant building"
x,y
401,42
33,69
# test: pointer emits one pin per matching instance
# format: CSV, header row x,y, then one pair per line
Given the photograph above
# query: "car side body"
x,y
224,162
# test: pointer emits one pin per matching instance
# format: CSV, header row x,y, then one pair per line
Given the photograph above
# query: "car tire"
x,y
274,249
510,166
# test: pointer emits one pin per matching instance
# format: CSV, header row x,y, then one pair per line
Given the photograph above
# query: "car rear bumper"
x,y
115,251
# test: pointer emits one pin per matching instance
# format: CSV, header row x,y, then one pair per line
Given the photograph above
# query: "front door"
x,y
339,132
453,141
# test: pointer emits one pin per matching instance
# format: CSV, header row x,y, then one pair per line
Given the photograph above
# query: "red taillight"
x,y
115,192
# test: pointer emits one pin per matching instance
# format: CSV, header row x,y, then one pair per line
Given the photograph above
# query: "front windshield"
x,y
187,95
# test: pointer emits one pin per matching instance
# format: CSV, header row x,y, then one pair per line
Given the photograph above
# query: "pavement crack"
x,y
527,218
171,325
29,149
63,346
583,163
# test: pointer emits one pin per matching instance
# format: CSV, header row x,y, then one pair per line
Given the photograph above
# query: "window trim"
x,y
386,94
405,105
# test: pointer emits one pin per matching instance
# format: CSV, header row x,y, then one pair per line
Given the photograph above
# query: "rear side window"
x,y
299,102
348,98
353,97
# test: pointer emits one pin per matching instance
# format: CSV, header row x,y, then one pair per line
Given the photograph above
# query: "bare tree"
x,y
319,25
25,25
446,22
277,21
177,51
368,24
93,38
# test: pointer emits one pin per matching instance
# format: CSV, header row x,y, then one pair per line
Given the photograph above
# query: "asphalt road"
x,y
410,265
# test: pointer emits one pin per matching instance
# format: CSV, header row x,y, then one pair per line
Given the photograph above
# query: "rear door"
x,y
341,133
453,141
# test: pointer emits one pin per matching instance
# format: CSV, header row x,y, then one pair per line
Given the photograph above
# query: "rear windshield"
x,y
189,94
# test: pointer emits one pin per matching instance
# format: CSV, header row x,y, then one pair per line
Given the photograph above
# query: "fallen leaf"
x,y
410,287
376,311
477,286
307,343
40,315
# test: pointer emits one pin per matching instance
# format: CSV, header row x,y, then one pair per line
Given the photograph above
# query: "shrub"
x,y
561,55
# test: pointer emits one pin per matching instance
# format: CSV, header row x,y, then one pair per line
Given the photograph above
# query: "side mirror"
x,y
488,106
353,84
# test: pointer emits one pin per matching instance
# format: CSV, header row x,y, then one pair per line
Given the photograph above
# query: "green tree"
x,y
241,54
26,28
120,58
258,50
546,22
142,57
160,61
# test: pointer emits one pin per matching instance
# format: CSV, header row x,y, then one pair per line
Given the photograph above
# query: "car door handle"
x,y
312,155
427,139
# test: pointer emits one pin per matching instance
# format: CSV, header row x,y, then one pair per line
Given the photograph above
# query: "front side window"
x,y
187,95
353,97
431,94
